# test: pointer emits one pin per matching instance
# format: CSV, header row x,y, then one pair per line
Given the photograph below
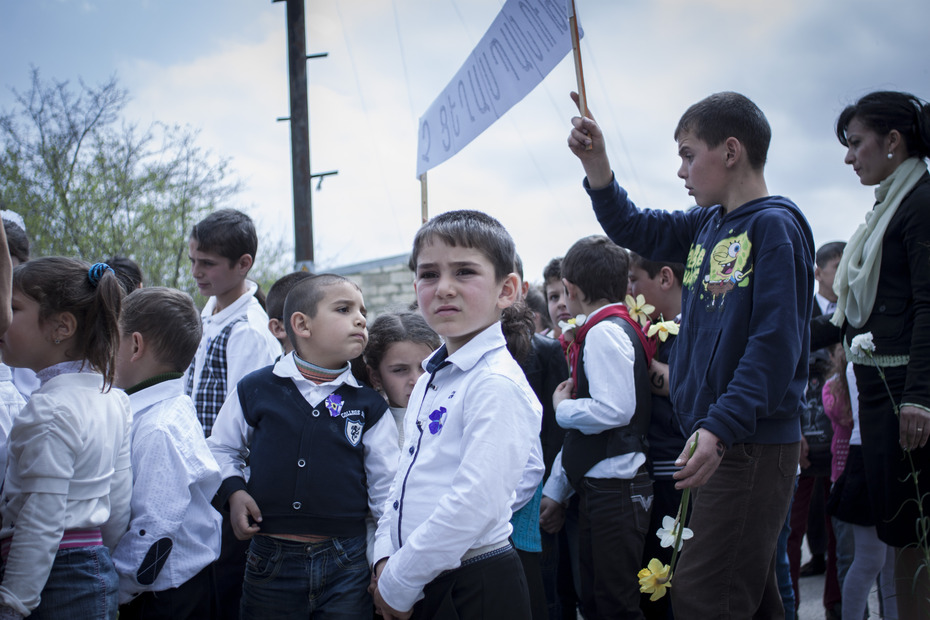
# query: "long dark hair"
x,y
60,284
480,231
884,111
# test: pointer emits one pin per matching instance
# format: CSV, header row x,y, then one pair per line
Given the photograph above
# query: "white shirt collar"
x,y
143,399
468,355
235,308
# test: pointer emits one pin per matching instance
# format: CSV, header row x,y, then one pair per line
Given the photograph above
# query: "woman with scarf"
x,y
883,288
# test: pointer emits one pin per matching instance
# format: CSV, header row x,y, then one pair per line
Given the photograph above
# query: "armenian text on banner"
x,y
526,41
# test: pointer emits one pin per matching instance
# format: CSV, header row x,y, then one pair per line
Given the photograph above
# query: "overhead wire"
x,y
358,85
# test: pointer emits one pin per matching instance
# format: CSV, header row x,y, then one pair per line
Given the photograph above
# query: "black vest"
x,y
308,460
581,452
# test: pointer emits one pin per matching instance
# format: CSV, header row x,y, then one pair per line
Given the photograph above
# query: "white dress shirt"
x,y
469,430
174,479
69,468
11,402
608,357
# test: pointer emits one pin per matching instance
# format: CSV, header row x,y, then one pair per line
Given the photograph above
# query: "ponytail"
x,y
517,325
92,294
100,337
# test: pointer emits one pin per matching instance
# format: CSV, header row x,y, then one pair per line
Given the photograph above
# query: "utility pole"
x,y
300,134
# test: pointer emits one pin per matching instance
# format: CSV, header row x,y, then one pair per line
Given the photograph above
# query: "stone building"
x,y
386,283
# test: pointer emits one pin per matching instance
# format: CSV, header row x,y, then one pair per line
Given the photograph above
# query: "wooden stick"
x,y
424,201
576,53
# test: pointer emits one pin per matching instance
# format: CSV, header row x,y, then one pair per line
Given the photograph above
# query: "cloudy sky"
x,y
220,66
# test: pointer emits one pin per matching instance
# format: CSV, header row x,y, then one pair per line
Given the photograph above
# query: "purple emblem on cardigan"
x,y
334,403
438,417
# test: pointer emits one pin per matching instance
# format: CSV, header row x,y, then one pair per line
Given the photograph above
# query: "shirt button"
x,y
881,308
411,450
396,504
301,463
316,413
296,505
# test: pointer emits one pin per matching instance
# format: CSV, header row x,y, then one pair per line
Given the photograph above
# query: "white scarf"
x,y
856,281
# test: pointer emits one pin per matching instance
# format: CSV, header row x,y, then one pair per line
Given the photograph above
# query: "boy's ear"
x,y
733,151
138,346
300,323
244,263
375,377
510,291
572,290
276,327
666,278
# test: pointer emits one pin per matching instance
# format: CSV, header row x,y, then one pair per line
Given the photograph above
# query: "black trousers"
x,y
189,601
492,589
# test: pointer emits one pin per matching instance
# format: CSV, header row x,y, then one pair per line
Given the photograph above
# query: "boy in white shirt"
x,y
321,455
164,559
606,407
235,342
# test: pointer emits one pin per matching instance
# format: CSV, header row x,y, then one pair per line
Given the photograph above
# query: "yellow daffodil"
x,y
655,579
639,309
568,326
663,329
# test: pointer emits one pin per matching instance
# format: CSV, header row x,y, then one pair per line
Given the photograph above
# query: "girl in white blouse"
x,y
66,495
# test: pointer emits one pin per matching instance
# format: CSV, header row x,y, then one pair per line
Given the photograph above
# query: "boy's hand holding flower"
x,y
697,469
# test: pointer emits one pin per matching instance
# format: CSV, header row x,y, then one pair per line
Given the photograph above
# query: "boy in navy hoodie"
x,y
739,367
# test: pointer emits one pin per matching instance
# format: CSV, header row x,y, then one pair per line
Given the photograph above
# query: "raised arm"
x,y
586,141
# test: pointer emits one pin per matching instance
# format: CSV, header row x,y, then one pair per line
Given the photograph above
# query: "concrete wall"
x,y
386,283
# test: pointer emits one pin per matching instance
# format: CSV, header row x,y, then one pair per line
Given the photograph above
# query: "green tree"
x,y
90,184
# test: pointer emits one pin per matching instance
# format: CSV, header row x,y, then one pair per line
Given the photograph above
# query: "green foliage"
x,y
90,184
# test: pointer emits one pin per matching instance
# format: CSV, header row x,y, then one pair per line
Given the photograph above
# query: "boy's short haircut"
x,y
553,271
274,300
306,296
17,241
167,319
598,267
518,265
127,271
828,252
226,232
723,115
653,267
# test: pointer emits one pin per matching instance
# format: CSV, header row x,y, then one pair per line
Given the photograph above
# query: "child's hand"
x,y
551,515
383,609
562,392
586,141
241,507
698,469
375,573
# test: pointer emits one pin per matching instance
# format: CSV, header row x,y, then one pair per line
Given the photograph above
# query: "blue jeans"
x,y
289,579
81,584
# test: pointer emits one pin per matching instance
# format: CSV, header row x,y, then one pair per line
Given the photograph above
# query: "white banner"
x,y
526,41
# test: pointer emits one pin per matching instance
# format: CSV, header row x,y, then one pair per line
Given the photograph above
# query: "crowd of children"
x,y
498,451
